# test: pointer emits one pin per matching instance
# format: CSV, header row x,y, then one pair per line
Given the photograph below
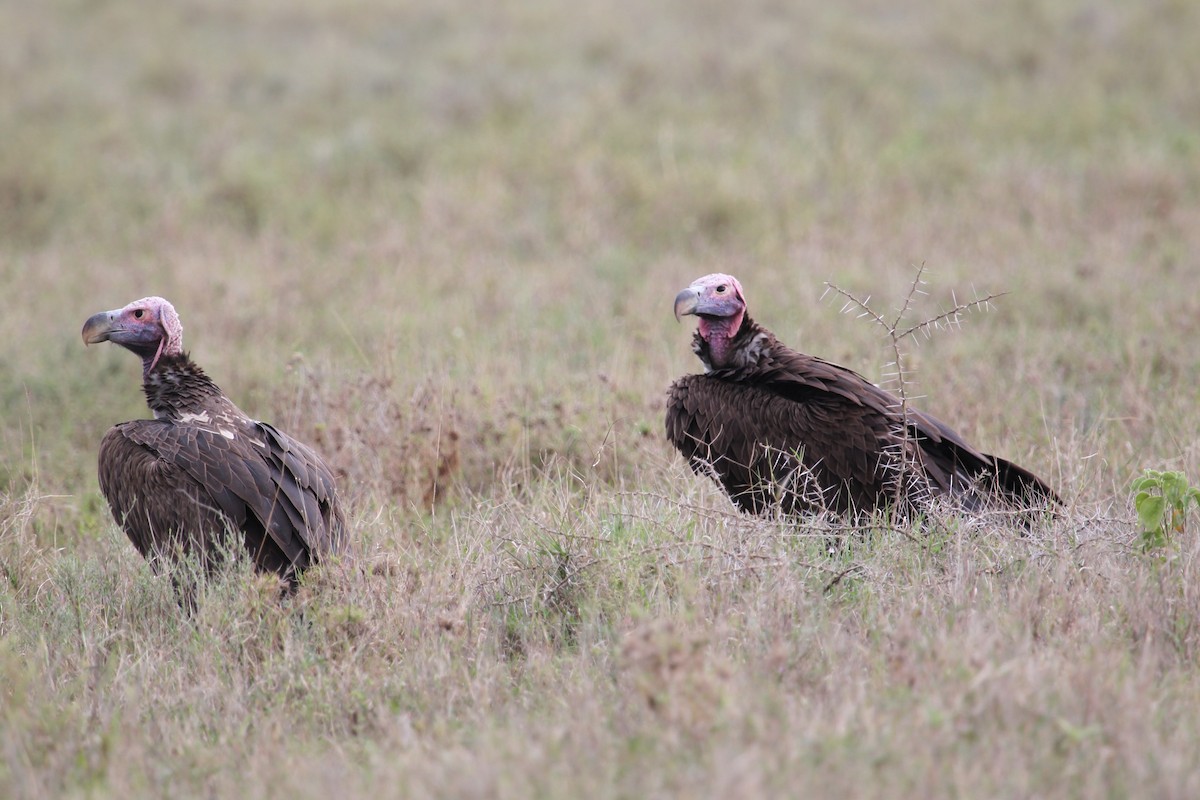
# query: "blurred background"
x,y
441,240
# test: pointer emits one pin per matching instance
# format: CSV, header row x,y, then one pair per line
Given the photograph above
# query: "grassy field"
x,y
440,240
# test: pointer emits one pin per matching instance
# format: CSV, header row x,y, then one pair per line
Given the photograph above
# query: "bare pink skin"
x,y
149,327
719,302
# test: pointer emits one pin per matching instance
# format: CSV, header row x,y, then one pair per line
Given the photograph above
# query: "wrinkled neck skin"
x,y
727,342
175,386
149,354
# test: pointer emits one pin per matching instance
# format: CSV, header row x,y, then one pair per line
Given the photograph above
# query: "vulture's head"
x,y
717,300
149,327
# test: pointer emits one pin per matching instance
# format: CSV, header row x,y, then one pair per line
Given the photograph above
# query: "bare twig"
x,y
901,463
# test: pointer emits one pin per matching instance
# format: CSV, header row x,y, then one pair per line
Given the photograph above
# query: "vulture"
x,y
778,428
202,477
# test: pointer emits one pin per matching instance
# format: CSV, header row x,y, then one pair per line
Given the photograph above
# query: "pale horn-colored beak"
x,y
98,328
685,302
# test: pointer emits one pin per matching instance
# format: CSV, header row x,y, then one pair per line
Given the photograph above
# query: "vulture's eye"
x,y
137,314
721,289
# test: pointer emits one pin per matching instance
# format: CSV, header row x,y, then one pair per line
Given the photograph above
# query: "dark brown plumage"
x,y
201,469
778,428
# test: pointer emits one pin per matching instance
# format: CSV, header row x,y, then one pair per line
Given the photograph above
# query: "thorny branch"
x,y
945,320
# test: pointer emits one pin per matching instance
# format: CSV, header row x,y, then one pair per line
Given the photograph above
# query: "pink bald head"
x,y
715,295
149,327
719,302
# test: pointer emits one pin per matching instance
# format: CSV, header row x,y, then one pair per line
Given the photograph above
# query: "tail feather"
x,y
978,479
1022,485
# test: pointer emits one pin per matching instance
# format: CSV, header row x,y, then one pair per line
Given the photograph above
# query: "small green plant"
x,y
1161,500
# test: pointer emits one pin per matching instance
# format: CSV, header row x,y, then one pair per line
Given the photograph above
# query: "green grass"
x,y
440,242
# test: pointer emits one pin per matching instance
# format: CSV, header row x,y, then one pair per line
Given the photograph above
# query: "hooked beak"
x,y
98,328
686,302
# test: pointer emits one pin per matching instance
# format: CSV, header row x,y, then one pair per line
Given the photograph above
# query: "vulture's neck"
x,y
177,386
743,350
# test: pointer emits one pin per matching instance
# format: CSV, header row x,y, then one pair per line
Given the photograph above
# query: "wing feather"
x,y
845,432
161,508
752,438
256,478
308,486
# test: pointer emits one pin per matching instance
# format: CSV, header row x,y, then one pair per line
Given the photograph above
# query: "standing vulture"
x,y
201,468
777,427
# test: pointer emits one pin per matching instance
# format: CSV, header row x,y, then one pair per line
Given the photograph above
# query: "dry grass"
x,y
440,241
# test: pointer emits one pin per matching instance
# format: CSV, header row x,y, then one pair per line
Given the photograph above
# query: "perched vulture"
x,y
202,469
779,428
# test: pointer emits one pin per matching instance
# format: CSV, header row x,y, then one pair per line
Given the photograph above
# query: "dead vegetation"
x,y
440,242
